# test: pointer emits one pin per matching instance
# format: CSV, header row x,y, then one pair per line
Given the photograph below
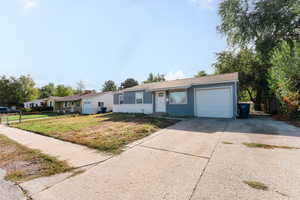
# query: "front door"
x,y
160,102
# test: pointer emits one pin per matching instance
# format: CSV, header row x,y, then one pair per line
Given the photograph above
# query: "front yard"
x,y
105,132
22,163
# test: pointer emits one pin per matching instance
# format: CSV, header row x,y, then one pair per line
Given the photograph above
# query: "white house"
x,y
88,103
46,102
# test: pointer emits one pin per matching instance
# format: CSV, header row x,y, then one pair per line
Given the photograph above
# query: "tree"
x,y
155,78
130,82
27,89
284,76
80,87
62,90
48,90
16,91
248,64
200,74
261,25
109,86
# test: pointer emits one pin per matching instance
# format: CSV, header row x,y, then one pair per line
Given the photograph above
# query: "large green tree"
x,y
130,82
15,91
249,66
155,78
260,25
109,86
62,90
284,76
48,90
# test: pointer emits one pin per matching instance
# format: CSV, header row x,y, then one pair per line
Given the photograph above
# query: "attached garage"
x,y
214,102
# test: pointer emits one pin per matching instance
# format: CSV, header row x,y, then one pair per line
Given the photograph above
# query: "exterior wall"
x,y
92,102
129,105
188,109
129,97
182,109
133,108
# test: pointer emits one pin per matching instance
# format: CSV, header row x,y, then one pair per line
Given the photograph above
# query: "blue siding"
x,y
148,97
129,97
182,109
116,98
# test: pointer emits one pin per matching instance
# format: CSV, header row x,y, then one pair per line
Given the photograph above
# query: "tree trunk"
x,y
258,100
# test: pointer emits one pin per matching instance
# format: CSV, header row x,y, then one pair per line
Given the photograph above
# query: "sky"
x,y
65,41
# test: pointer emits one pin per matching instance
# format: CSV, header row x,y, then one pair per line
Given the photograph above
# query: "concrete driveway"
x,y
189,161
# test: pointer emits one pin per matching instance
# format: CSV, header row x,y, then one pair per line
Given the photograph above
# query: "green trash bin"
x,y
244,110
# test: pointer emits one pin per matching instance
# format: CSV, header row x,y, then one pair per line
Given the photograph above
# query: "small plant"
x,y
256,185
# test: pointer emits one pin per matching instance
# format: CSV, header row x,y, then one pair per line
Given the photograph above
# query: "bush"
x,y
284,77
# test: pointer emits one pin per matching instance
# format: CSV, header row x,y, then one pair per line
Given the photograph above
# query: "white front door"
x,y
216,102
160,102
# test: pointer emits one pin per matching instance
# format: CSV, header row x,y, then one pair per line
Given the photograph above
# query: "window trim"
x,y
121,95
139,98
186,99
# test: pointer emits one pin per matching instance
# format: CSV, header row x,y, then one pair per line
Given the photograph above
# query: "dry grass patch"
x,y
105,132
22,163
226,142
267,146
256,185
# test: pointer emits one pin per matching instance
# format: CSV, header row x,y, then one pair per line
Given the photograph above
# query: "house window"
x,y
100,104
121,99
139,97
66,104
72,103
50,104
178,97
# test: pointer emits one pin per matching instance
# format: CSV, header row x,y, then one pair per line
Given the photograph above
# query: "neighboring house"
x,y
89,103
46,102
208,96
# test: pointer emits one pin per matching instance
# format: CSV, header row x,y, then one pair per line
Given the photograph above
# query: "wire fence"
x,y
6,118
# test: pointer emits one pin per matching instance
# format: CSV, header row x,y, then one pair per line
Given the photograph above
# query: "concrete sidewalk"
x,y
166,166
75,155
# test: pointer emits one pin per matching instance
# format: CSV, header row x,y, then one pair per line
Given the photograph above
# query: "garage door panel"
x,y
214,102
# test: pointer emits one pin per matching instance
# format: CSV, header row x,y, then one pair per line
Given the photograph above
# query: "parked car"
x,y
4,110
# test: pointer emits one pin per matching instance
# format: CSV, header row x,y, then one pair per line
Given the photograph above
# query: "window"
x,y
100,104
139,97
121,99
66,104
178,97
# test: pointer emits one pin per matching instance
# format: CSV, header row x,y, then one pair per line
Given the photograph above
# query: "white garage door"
x,y
216,102
88,108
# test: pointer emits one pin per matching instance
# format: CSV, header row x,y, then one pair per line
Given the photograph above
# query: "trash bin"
x,y
244,110
103,109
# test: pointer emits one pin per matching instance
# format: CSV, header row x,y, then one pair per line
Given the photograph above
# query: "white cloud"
x,y
175,75
206,4
28,4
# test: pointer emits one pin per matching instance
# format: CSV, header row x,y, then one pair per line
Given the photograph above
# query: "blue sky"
x,y
64,41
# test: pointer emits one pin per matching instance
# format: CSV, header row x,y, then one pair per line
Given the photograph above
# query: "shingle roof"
x,y
185,83
77,97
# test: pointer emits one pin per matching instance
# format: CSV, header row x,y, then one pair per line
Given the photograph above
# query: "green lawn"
x,y
33,116
105,132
